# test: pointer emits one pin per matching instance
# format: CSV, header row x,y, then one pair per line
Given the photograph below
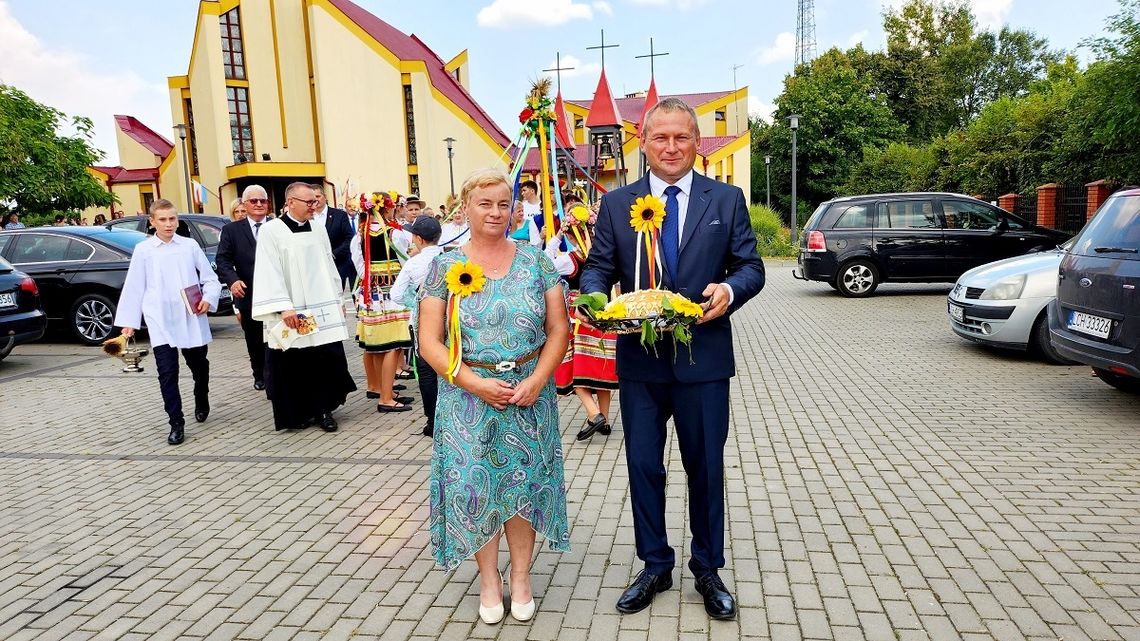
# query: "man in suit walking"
x,y
237,248
338,225
710,256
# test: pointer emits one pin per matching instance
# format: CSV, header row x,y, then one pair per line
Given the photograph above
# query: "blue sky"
x,y
99,59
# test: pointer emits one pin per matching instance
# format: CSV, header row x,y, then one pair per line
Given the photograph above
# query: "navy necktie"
x,y
256,229
671,232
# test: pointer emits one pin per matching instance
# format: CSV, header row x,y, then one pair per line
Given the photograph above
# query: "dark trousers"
x,y
166,360
254,344
700,417
429,386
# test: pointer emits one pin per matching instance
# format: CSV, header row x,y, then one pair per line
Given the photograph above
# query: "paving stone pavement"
x,y
885,480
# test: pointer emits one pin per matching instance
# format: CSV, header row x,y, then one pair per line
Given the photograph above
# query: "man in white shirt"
x,y
171,286
425,232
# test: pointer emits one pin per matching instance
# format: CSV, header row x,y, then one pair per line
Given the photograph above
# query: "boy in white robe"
x,y
169,276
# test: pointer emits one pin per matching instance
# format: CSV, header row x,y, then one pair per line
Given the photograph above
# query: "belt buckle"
x,y
505,366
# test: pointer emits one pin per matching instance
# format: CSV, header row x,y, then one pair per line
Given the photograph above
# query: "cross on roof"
x,y
651,55
558,69
603,47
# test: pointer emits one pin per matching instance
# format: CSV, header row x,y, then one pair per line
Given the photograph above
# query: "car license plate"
x,y
1089,324
8,299
956,312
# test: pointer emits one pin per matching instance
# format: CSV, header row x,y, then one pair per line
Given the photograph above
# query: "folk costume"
x,y
382,323
590,360
294,270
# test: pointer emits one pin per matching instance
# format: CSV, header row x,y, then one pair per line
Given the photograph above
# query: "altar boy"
x,y
171,286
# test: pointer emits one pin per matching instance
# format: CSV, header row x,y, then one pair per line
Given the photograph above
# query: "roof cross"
x,y
558,69
603,47
651,55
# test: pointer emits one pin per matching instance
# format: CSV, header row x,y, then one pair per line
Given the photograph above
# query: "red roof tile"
x,y
710,144
606,113
118,175
145,136
631,108
407,47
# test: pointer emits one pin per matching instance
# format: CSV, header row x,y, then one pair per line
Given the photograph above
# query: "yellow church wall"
x,y
211,114
133,155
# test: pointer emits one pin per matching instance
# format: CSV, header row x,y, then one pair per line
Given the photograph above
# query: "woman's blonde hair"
x,y
233,207
480,179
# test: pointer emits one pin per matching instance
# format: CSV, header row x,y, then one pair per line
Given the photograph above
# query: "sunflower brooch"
x,y
463,279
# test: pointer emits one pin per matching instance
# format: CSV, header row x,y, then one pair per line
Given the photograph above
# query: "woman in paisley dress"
x,y
497,456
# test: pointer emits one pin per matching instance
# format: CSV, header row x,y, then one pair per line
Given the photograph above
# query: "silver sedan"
x,y
1004,303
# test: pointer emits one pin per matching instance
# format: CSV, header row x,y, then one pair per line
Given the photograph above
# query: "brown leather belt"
x,y
506,366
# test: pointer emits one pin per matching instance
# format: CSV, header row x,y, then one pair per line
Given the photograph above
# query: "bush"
x,y
772,238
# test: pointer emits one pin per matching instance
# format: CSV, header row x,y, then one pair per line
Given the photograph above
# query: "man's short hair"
x,y
294,186
318,187
254,190
671,104
161,204
529,183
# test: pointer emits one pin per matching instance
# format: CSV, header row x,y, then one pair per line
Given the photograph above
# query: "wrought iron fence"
x,y
1025,207
1072,207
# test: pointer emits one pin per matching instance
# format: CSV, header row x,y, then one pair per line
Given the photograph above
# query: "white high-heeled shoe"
x,y
523,611
495,613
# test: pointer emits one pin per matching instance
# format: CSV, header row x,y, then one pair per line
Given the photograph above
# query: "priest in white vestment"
x,y
297,295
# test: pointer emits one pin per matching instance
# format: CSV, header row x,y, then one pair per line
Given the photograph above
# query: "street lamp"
x,y
181,129
450,154
768,179
794,124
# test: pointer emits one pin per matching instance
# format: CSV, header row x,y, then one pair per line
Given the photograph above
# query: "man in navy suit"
x,y
338,225
237,248
709,255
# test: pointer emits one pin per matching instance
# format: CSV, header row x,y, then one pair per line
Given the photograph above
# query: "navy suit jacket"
x,y
717,246
338,225
236,250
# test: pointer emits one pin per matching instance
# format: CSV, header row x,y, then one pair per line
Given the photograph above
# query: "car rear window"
x,y
1114,232
813,220
5,266
854,217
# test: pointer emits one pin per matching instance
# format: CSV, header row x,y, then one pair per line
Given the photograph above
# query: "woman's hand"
x,y
493,391
526,393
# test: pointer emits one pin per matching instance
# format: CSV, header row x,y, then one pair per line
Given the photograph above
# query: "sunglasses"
x,y
258,201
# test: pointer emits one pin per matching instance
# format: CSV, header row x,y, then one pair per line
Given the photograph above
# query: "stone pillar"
x,y
1047,205
1099,191
1008,202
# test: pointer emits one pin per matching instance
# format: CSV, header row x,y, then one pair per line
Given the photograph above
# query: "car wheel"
x,y
833,284
1044,347
1122,383
92,318
857,279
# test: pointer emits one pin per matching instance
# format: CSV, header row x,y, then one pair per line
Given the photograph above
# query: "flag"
x,y
201,194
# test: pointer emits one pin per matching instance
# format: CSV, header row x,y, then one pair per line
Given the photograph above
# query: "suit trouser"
x,y
429,385
166,360
254,344
700,417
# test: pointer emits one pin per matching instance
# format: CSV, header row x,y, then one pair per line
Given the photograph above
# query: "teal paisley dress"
x,y
489,465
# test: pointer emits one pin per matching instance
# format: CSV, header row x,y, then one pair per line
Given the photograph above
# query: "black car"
x,y
205,230
80,272
1095,319
22,318
855,243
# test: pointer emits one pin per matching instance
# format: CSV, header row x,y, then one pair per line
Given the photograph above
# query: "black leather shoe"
x,y
177,435
403,399
328,423
718,602
640,593
258,384
593,425
605,429
201,411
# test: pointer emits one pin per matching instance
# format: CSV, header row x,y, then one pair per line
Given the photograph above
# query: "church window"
x,y
193,137
233,55
241,126
410,124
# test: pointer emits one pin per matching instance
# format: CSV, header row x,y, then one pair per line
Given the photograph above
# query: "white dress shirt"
x,y
256,225
321,217
153,291
685,184
451,232
411,277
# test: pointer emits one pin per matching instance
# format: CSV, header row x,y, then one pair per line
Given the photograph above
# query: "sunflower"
x,y
464,279
647,213
613,311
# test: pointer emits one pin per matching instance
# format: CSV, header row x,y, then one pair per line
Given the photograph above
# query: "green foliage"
x,y
772,238
41,170
897,167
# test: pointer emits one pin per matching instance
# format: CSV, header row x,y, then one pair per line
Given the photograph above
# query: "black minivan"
x,y
1095,319
856,242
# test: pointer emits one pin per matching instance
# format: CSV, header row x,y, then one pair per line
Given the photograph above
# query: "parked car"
x,y
204,229
1096,317
1005,303
857,242
80,272
22,318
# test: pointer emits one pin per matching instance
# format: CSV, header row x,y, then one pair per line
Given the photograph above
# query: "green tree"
x,y
41,170
897,167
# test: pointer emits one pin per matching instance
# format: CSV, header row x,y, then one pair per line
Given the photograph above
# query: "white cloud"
x,y
683,5
856,38
761,109
784,48
579,68
602,7
991,14
79,86
505,14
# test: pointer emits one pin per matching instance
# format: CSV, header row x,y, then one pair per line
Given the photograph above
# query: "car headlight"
x,y
1006,289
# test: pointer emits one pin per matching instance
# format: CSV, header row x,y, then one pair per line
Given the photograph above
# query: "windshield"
x,y
1114,231
123,239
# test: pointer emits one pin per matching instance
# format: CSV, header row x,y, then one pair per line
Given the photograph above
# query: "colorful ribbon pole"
x,y
547,211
